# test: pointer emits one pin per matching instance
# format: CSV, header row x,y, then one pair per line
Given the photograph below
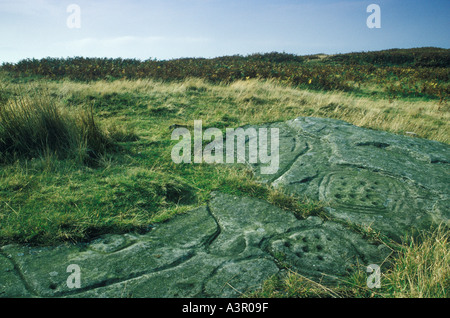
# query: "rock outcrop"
x,y
371,178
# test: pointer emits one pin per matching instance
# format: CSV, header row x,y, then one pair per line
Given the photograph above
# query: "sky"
x,y
167,29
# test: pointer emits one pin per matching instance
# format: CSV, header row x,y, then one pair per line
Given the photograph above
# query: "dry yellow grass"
x,y
422,268
257,101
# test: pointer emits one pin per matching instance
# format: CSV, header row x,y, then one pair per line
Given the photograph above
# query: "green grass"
x,y
36,126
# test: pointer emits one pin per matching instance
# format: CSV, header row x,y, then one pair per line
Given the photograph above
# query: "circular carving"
x,y
365,192
315,252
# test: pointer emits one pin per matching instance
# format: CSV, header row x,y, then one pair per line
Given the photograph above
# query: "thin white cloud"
x,y
125,41
140,47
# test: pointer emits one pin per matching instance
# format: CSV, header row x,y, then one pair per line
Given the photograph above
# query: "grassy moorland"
x,y
85,143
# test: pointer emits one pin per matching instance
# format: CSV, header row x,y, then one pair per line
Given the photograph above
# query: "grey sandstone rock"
x,y
222,250
389,182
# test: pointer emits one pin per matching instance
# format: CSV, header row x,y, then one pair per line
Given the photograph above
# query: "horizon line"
x,y
226,55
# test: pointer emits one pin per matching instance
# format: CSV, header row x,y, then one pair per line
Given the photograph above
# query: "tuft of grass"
x,y
422,267
292,285
121,133
36,126
302,208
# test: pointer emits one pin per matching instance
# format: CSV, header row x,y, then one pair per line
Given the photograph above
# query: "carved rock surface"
x,y
389,182
221,250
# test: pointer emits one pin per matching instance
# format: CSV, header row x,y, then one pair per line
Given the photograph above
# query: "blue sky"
x,y
165,29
